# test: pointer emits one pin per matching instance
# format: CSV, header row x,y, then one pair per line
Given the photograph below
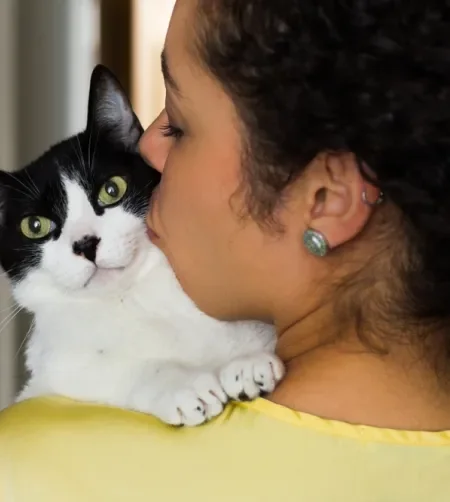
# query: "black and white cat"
x,y
111,323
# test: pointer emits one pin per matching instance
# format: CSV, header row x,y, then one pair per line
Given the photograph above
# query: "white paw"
x,y
190,399
249,377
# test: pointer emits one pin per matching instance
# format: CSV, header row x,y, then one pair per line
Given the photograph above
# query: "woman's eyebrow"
x,y
168,78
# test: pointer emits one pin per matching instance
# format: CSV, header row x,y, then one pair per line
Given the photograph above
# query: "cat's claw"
x,y
197,401
249,377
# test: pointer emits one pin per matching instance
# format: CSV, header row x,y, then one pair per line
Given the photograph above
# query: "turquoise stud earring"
x,y
315,243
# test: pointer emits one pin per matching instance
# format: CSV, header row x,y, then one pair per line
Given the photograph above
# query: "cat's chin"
x,y
104,277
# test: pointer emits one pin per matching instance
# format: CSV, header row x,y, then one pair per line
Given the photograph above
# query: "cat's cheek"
x,y
120,255
122,238
35,290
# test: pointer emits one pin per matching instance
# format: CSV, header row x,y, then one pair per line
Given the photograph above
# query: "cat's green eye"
x,y
36,227
112,191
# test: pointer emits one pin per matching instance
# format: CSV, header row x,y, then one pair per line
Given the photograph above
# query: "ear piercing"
x,y
377,202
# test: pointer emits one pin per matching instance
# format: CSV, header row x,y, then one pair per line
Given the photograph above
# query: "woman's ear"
x,y
339,197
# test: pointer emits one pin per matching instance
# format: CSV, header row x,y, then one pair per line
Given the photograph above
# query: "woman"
x,y
305,158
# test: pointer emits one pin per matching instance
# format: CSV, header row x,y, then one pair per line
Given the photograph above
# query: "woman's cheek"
x,y
172,213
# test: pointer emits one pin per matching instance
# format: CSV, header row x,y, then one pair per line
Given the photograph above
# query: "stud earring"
x,y
316,243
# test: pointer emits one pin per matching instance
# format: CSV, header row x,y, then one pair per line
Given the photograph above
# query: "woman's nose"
x,y
153,146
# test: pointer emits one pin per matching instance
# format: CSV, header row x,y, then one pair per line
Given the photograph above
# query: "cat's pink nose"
x,y
87,247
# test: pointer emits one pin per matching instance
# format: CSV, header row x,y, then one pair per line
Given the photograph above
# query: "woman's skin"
x,y
235,268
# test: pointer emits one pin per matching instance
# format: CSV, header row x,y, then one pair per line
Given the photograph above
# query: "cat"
x,y
112,324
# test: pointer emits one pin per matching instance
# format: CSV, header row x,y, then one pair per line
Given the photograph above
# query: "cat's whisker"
x,y
151,182
77,149
95,150
23,248
33,185
5,274
12,315
10,308
25,339
60,208
80,156
29,191
26,194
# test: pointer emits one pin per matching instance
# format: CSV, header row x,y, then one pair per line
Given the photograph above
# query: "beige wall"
x,y
47,52
150,20
7,162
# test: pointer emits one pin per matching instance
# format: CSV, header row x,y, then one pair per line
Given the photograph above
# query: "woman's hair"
x,y
371,77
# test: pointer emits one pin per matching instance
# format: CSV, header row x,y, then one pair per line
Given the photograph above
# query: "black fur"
x,y
106,148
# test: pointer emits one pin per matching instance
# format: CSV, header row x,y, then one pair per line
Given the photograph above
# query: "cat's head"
x,y
72,222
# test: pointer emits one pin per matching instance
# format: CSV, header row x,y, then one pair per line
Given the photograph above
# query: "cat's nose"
x,y
87,247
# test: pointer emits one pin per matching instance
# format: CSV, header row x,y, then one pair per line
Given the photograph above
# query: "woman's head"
x,y
281,115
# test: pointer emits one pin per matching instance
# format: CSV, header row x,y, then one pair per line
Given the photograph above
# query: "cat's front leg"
x,y
178,395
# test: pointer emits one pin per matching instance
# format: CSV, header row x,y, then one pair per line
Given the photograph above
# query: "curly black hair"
x,y
371,77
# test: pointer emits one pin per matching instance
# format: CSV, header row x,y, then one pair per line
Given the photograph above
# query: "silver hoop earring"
x,y
316,243
367,202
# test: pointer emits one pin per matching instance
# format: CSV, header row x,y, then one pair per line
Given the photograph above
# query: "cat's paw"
x,y
249,377
190,399
200,400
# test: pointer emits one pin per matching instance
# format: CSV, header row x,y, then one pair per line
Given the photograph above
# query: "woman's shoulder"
x,y
66,450
50,421
43,418
57,449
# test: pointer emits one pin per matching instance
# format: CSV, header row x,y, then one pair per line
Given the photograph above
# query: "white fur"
x,y
123,332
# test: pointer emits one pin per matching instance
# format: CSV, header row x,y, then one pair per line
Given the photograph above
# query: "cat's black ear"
x,y
110,112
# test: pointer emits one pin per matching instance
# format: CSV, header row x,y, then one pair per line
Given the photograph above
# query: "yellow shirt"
x,y
56,450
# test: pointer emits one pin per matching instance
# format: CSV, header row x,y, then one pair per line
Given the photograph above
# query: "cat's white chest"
x,y
150,349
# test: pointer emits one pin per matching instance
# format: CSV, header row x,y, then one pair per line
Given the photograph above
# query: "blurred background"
x,y
48,49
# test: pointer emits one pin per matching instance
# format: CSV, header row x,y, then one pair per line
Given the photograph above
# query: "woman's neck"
x,y
346,381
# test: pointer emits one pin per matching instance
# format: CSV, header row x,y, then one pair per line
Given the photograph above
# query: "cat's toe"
x,y
210,392
267,372
205,400
252,376
199,399
190,409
